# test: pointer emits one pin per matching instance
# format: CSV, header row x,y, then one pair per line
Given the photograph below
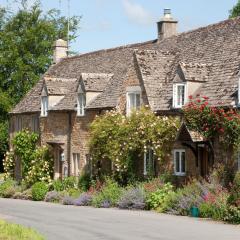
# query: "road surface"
x,y
58,222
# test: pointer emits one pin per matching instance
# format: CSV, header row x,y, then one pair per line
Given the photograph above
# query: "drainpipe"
x,y
69,140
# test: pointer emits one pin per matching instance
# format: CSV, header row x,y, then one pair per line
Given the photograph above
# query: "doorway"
x,y
203,160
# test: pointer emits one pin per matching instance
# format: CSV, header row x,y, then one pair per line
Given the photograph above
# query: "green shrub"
x,y
57,185
39,191
69,182
110,193
84,182
233,215
157,200
8,188
73,192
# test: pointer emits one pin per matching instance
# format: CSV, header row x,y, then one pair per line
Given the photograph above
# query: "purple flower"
x,y
83,200
67,200
133,198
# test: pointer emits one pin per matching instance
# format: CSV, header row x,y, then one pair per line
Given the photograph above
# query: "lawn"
x,y
9,231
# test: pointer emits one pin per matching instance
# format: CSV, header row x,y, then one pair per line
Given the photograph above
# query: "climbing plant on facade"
x,y
213,121
116,137
36,161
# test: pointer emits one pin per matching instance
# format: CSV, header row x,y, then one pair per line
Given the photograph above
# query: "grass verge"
x,y
10,231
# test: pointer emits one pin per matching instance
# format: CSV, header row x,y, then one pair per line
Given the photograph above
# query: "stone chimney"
x,y
167,26
60,50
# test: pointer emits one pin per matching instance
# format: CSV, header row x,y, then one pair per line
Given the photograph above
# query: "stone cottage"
x,y
161,73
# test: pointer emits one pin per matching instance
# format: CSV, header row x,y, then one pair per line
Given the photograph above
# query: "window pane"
x,y
137,101
183,162
180,95
177,159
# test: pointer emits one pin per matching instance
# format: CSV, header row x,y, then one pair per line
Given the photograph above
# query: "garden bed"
x,y
211,199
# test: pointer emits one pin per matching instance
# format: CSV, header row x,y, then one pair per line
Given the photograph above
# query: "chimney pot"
x,y
167,26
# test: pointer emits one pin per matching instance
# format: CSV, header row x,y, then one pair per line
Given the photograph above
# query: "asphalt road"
x,y
68,222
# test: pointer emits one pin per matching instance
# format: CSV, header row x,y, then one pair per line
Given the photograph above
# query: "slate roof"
x,y
108,61
217,46
195,71
60,86
210,54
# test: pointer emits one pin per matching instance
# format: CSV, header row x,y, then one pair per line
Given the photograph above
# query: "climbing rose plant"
x,y
116,137
36,162
212,121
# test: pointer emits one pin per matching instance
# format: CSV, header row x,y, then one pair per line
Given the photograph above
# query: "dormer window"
x,y
81,103
133,99
44,106
179,95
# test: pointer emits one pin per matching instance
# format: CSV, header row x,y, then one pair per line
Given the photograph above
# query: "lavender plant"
x,y
133,198
84,199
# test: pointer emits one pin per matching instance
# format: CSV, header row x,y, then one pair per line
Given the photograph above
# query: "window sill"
x,y
180,174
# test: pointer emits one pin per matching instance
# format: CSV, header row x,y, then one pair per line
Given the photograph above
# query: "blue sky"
x,y
110,23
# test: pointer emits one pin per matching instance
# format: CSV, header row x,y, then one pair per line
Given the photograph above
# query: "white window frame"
x,y
134,106
81,103
180,172
175,95
44,106
148,161
76,164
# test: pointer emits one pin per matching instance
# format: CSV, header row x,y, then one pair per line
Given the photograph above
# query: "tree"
x,y
26,39
235,11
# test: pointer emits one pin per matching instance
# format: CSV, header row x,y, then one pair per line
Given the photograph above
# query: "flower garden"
x,y
115,139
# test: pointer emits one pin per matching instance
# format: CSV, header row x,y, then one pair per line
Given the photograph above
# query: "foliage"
x,y
185,198
57,185
73,192
84,182
8,165
24,143
157,199
24,195
235,11
116,137
26,38
41,166
10,231
36,162
53,196
84,199
7,188
152,185
69,183
110,192
212,121
234,198
132,198
39,191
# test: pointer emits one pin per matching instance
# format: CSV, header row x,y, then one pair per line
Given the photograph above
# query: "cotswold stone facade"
x,y
160,73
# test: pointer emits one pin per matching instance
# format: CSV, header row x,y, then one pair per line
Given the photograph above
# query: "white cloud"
x,y
136,13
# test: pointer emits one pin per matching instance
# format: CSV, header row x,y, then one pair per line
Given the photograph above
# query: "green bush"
x,y
157,200
39,191
109,194
8,188
84,182
73,192
233,215
57,185
69,182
